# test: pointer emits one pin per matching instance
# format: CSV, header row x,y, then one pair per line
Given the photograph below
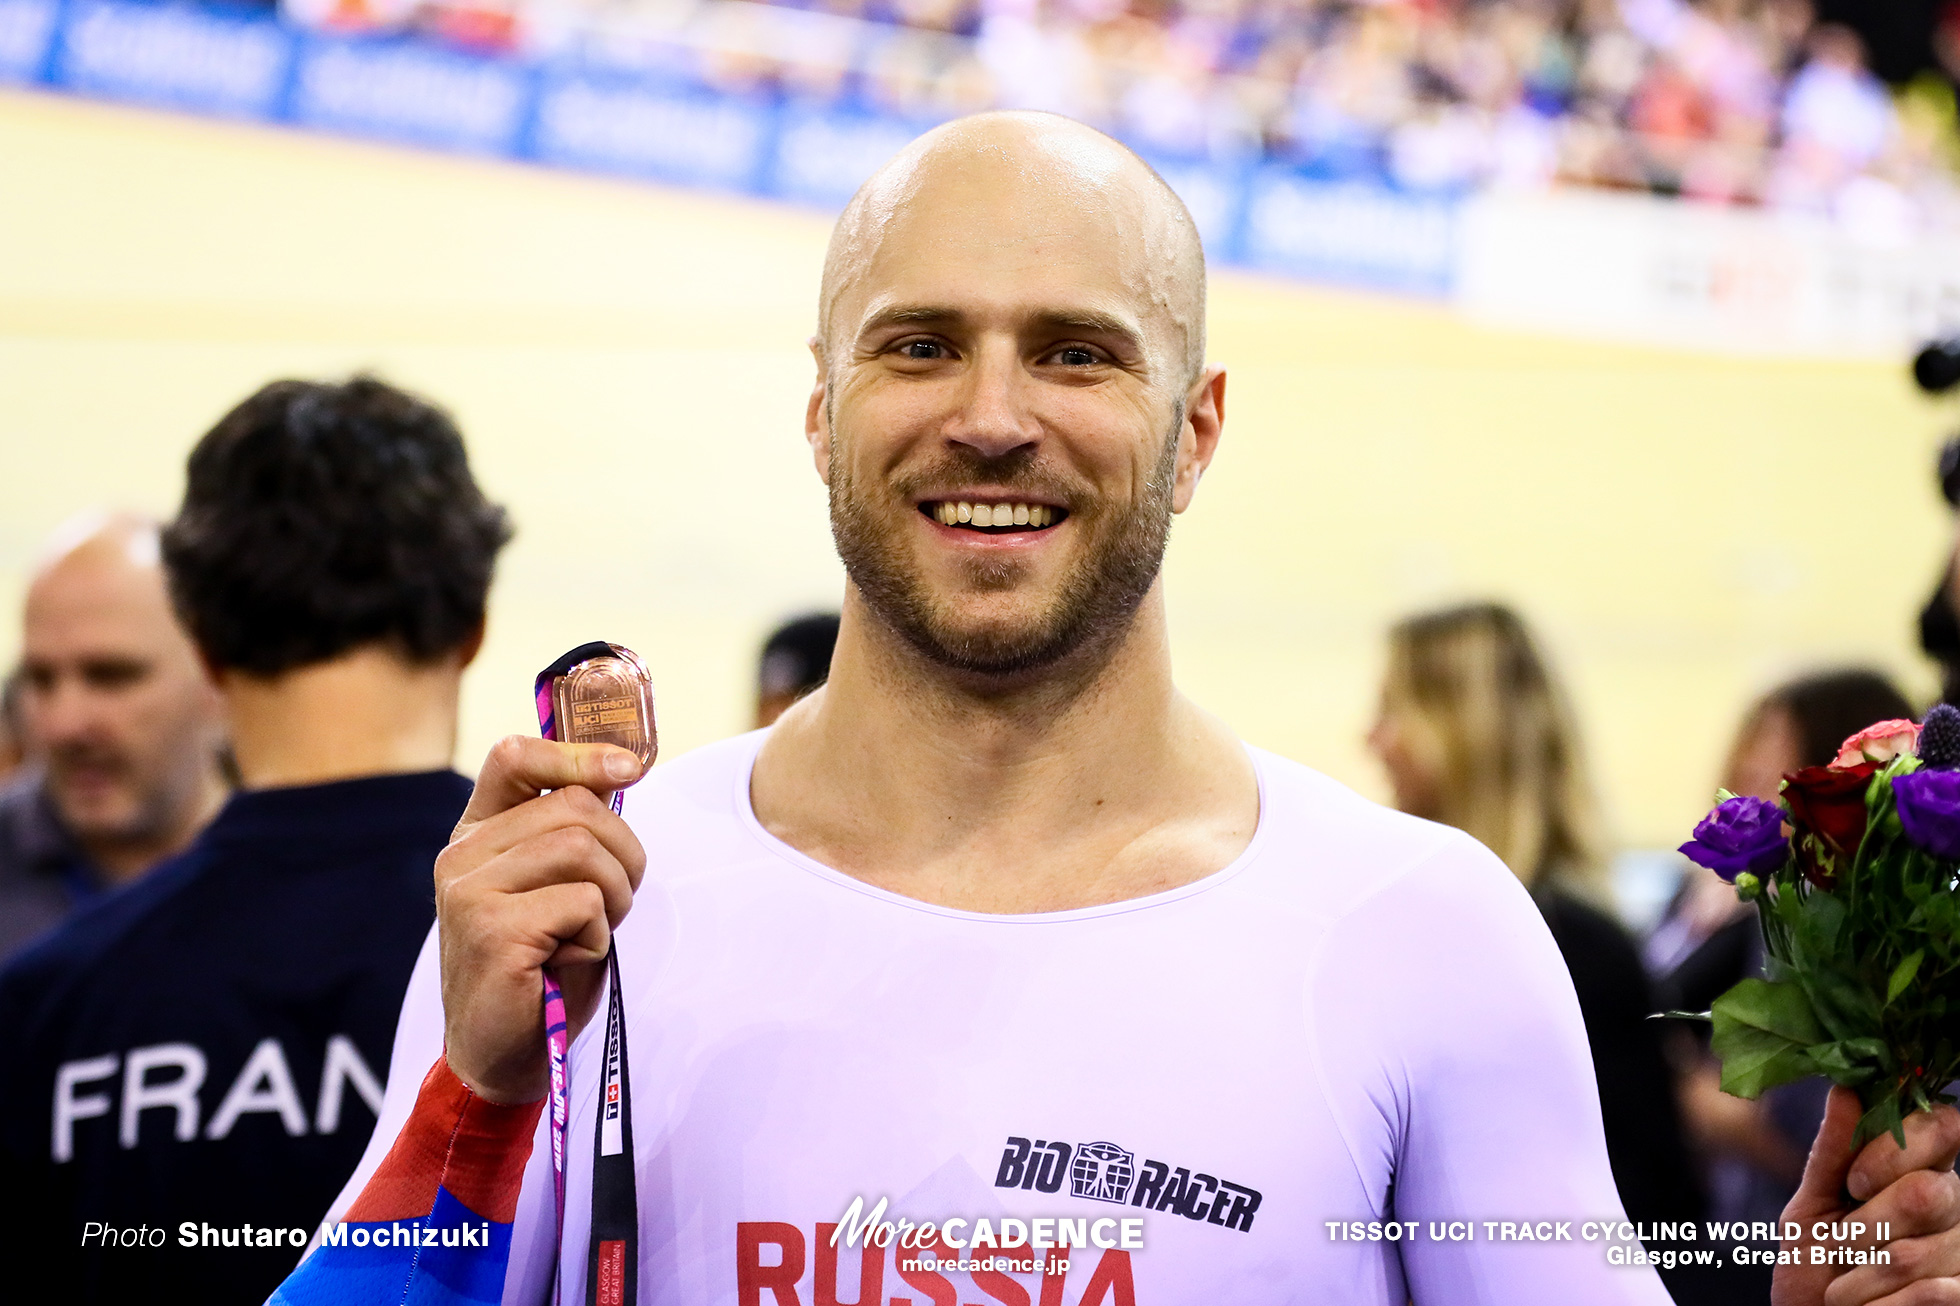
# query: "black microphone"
x,y
1938,366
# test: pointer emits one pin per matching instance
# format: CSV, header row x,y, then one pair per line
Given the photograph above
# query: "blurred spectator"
x,y
1752,1153
1741,101
1837,121
795,660
1475,733
208,1046
122,725
1946,39
1939,619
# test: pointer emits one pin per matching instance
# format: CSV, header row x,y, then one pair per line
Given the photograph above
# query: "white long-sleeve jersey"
x,y
1213,1095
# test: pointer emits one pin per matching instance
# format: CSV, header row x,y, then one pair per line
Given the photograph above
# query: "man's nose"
x,y
993,417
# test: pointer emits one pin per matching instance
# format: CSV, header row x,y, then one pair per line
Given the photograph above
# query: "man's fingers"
x,y
530,878
1927,1292
1822,1189
1917,1269
1932,1141
573,921
1921,1202
519,768
569,855
573,808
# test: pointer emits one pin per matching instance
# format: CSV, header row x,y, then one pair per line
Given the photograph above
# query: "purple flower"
x,y
1929,809
1742,834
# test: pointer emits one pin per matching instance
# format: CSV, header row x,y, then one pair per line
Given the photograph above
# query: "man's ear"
x,y
816,415
1204,422
471,646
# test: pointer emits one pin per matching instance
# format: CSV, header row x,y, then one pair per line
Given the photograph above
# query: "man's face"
x,y
999,359
112,698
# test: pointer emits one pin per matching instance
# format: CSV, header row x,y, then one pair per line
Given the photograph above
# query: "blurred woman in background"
x,y
1475,733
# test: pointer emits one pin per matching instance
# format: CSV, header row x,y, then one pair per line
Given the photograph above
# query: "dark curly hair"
x,y
319,517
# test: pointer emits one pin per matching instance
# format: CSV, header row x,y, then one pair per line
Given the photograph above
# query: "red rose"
x,y
1829,802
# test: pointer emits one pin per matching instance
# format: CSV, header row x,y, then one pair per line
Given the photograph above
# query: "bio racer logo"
x,y
1104,1172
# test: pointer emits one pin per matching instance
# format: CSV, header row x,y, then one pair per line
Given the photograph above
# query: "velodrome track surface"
x,y
628,365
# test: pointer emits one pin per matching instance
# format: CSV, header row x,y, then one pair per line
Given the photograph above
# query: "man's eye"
x,y
1075,356
113,675
922,349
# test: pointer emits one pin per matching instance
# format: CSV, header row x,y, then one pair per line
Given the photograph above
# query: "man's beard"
x,y
136,813
1096,601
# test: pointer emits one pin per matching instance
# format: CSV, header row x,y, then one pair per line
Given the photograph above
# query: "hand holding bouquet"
x,y
1854,873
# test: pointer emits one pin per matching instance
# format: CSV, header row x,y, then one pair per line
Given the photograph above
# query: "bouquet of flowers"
x,y
1856,876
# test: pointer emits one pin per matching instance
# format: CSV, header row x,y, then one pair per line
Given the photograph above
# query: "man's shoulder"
x,y
1323,839
88,948
1311,808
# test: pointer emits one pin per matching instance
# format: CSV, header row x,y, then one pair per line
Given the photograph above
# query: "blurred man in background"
x,y
795,661
206,1050
122,726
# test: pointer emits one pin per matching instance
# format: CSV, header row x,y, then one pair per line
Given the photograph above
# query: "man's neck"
x,y
1077,789
367,712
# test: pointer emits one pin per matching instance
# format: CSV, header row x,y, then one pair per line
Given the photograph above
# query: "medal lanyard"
x,y
612,1259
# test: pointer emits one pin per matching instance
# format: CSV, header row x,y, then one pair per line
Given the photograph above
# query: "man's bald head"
x,y
118,541
114,703
1036,165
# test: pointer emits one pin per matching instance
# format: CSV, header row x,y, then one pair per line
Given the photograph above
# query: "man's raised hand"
x,y
538,873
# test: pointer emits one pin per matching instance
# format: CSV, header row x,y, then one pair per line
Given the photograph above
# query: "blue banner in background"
x,y
665,127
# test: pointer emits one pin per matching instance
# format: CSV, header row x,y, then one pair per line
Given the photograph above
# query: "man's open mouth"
x,y
993,518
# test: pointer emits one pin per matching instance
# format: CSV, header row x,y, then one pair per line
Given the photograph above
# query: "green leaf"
x,y
1755,1060
1883,1118
1847,1062
1873,1050
1819,918
1781,1009
1761,1033
1902,975
1841,1001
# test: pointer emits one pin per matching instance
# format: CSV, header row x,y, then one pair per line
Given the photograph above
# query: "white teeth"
x,y
993,514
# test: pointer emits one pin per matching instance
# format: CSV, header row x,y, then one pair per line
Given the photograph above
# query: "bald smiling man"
x,y
997,971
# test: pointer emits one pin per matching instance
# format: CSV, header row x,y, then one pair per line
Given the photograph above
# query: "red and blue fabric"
x,y
432,1227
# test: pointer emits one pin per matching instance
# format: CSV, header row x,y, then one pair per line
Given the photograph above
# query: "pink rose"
x,y
1880,743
